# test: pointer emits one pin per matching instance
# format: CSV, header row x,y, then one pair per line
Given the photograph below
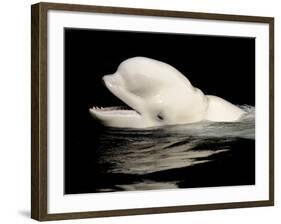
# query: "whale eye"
x,y
160,116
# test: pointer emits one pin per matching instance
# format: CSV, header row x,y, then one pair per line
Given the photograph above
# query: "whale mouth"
x,y
120,108
117,110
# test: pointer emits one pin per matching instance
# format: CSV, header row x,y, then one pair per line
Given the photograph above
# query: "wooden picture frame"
x,y
40,110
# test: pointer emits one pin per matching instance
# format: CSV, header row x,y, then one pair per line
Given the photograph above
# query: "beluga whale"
x,y
157,94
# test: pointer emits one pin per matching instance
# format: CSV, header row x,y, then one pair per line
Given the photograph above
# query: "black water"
x,y
205,154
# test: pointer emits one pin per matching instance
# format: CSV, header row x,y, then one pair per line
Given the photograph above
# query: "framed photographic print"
x,y
138,111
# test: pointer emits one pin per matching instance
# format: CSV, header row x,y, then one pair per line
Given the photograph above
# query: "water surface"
x,y
205,154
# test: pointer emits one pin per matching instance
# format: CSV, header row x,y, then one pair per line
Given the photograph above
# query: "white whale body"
x,y
157,94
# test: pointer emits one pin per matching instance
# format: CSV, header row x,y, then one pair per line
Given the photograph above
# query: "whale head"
x,y
156,94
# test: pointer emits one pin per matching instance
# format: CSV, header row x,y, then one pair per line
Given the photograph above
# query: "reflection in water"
x,y
192,155
204,154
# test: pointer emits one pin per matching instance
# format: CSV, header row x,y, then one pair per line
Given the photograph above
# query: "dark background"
x,y
222,66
